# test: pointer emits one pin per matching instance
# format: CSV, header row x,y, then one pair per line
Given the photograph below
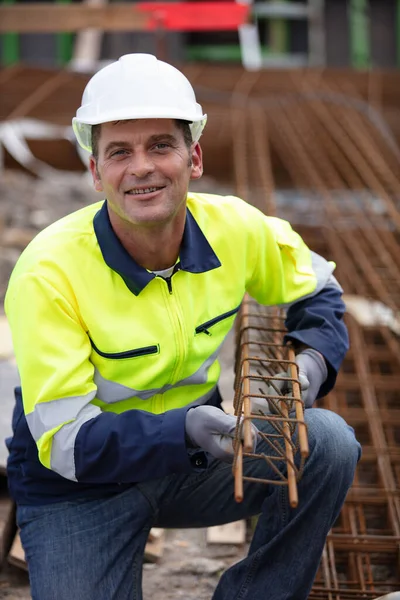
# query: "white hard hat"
x,y
137,86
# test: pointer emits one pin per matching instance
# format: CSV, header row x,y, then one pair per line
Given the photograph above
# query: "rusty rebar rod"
x,y
262,328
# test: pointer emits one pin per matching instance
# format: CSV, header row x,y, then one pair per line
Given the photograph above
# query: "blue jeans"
x,y
93,549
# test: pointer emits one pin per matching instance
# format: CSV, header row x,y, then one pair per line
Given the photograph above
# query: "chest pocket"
x,y
205,327
134,353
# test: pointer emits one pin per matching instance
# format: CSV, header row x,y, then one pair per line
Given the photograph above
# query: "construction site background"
x,y
316,145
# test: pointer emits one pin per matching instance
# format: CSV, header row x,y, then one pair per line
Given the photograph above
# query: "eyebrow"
x,y
160,137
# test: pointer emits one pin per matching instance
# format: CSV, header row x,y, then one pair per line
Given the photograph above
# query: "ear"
x,y
98,186
197,161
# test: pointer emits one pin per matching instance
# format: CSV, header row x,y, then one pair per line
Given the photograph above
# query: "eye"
x,y
120,152
161,146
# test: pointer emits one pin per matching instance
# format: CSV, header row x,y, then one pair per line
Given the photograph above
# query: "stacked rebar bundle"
x,y
263,363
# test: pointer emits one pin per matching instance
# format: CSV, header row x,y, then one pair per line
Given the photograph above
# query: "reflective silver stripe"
x,y
62,459
323,272
110,391
63,449
48,415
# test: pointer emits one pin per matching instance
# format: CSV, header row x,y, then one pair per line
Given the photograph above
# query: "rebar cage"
x,y
267,388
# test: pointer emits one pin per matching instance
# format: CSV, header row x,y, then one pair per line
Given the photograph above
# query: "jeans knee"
x,y
332,441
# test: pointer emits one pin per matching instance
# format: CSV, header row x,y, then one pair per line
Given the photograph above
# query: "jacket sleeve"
x,y
74,437
288,274
317,322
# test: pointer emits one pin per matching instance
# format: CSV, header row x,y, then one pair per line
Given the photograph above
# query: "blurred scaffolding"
x,y
283,34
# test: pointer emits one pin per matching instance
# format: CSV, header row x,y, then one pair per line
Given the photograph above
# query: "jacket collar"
x,y
196,254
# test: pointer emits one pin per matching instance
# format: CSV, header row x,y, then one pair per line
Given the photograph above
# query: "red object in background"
x,y
197,16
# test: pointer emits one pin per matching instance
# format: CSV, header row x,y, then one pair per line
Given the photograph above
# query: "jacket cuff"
x,y
180,459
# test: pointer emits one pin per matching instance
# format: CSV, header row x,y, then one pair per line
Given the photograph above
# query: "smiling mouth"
x,y
142,191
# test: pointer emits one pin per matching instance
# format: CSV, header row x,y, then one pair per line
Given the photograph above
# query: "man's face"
x,y
144,168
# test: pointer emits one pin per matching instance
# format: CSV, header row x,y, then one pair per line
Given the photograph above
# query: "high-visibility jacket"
x,y
112,356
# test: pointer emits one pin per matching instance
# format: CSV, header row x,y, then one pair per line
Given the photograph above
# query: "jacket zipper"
x,y
169,283
128,353
178,323
169,279
203,328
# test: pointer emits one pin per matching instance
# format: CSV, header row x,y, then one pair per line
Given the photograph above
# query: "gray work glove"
x,y
211,429
312,374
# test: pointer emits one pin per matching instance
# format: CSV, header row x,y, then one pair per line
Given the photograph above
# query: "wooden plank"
x,y
40,17
139,16
7,522
155,534
16,555
155,545
231,533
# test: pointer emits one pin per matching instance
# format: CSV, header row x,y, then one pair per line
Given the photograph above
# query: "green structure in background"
x,y
359,26
278,36
10,44
272,21
225,53
64,43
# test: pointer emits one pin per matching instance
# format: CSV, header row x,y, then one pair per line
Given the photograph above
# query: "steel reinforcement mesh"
x,y
361,556
341,163
362,552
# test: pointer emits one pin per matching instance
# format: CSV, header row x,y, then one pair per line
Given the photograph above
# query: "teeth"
x,y
143,191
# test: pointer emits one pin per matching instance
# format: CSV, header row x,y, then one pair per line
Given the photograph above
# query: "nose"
x,y
141,164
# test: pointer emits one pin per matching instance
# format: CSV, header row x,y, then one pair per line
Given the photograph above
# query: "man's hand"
x,y
312,374
211,429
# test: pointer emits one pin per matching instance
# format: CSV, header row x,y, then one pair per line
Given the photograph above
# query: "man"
x,y
118,312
